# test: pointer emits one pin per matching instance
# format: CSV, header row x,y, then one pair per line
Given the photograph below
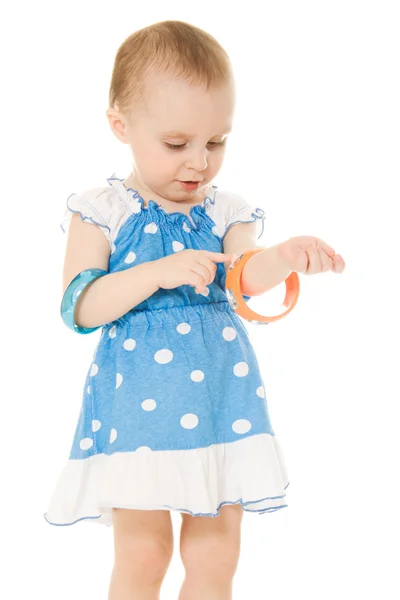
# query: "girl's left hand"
x,y
310,255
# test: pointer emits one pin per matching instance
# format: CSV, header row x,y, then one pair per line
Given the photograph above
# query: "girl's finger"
x,y
219,257
197,282
203,272
314,261
338,264
326,261
328,249
210,266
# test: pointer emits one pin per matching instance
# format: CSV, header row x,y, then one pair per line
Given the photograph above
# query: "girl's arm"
x,y
302,254
113,295
264,270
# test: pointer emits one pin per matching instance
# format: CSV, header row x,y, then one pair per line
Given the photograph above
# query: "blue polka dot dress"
x,y
174,415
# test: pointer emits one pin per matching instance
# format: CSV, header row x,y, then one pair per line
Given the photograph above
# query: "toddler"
x,y
174,415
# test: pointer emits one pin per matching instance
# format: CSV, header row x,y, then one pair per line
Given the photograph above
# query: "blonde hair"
x,y
174,47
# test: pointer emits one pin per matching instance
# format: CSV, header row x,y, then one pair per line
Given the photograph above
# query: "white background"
x,y
316,145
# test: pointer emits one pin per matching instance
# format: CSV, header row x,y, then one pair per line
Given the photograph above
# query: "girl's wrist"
x,y
281,257
152,275
264,271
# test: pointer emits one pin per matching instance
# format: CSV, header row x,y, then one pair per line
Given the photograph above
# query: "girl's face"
x,y
178,137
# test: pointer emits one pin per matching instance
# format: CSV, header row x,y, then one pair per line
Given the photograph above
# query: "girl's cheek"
x,y
215,161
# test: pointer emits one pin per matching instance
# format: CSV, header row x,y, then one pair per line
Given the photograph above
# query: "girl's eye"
x,y
214,144
175,146
181,146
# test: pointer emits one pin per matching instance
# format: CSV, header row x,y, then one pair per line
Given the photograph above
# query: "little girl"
x,y
173,414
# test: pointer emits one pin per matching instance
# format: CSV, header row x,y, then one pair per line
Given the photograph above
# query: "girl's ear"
x,y
118,124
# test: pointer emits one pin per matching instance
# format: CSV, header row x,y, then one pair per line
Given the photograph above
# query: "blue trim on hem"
x,y
271,509
72,523
183,510
257,214
84,218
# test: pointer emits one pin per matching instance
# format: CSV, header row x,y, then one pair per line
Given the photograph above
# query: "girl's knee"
x,y
213,558
145,559
210,547
143,543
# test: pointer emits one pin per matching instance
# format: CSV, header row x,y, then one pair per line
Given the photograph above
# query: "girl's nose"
x,y
197,161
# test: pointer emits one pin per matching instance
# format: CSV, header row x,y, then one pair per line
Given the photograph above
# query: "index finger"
x,y
220,257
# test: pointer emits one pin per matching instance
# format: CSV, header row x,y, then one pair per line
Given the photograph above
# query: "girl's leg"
x,y
210,549
143,543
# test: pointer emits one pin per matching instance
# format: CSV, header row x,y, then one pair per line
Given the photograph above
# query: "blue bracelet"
x,y
71,297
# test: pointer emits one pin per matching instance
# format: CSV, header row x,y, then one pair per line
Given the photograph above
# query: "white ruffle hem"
x,y
250,472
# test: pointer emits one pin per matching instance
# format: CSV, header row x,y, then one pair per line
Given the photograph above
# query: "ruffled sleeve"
x,y
230,208
103,207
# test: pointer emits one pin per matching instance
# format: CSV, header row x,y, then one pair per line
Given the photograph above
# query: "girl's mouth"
x,y
190,186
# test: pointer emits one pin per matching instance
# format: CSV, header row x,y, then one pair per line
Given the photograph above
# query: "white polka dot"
x,y
113,331
177,246
143,450
151,228
241,369
129,344
86,443
130,258
215,230
261,392
197,376
186,228
163,356
149,405
183,328
94,370
229,334
241,426
136,207
189,421
113,436
96,425
88,389
119,380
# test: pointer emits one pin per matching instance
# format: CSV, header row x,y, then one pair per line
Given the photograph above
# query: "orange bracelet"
x,y
239,304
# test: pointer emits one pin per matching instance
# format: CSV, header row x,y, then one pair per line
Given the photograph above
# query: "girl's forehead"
x,y
177,107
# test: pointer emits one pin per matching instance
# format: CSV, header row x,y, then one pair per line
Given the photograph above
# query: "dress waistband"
x,y
173,315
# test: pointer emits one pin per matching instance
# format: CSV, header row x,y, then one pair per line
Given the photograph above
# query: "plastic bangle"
x,y
239,304
71,297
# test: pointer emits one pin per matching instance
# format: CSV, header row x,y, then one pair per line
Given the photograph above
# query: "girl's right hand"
x,y
196,268
310,255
